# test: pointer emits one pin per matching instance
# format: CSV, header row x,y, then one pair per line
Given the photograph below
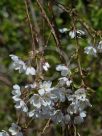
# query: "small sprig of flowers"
x,y
14,130
20,65
93,51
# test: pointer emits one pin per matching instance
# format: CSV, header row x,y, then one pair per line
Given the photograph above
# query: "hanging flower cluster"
x,y
44,100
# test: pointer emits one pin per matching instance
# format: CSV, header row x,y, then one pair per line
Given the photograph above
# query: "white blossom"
x,y
18,64
90,50
4,133
78,33
16,90
83,114
65,80
79,101
79,119
63,69
20,105
61,93
16,93
99,47
46,66
34,113
15,130
36,101
31,86
63,30
73,109
45,87
57,116
46,100
14,57
30,71
72,34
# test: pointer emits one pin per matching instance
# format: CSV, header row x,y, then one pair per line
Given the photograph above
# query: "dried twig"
x,y
30,25
50,25
46,126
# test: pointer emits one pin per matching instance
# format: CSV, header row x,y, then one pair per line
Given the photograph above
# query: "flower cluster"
x,y
91,50
59,102
14,130
47,101
73,33
20,65
19,103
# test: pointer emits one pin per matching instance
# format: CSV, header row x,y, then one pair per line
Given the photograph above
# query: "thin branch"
x,y
29,123
46,126
46,44
48,21
50,25
5,80
36,27
30,25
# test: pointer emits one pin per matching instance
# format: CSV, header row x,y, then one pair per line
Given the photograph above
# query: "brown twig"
x,y
30,25
36,27
46,126
48,21
50,25
5,80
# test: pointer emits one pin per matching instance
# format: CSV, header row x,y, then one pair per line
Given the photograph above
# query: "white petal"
x,y
25,108
14,57
16,98
18,106
16,87
4,133
59,67
47,64
63,30
30,71
31,113
90,50
41,92
82,114
47,84
64,72
12,131
81,32
68,83
72,34
45,67
36,100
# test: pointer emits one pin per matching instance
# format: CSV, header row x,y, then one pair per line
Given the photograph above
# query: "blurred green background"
x,y
15,38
